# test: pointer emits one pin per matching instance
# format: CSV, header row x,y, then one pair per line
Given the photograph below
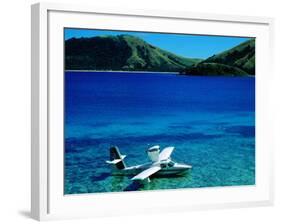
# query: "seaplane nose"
x,y
185,167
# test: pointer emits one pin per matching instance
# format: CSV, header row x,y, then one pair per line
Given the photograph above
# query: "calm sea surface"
x,y
210,121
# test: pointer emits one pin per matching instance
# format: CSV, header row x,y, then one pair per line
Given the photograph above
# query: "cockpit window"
x,y
171,164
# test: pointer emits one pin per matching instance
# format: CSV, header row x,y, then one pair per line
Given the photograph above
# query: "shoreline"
x,y
120,71
167,73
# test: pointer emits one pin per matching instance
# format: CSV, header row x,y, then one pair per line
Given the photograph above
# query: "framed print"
x,y
166,109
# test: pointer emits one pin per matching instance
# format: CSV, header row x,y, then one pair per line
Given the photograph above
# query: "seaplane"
x,y
160,164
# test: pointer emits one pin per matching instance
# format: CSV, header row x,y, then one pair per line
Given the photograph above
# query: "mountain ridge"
x,y
121,52
130,53
236,61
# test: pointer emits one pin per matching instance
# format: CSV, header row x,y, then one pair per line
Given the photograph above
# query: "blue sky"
x,y
192,46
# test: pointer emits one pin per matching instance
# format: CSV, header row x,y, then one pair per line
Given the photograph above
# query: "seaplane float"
x,y
160,164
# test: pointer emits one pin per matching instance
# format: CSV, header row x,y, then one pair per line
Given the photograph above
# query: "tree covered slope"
x,y
122,52
237,61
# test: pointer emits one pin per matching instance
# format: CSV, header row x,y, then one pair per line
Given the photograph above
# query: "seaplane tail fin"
x,y
116,159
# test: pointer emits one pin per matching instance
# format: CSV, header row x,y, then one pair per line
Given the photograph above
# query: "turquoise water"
x,y
210,121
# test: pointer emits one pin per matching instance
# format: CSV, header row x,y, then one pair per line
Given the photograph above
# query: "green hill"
x,y
122,52
215,69
237,61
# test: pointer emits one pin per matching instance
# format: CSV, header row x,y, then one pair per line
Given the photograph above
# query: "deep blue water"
x,y
210,121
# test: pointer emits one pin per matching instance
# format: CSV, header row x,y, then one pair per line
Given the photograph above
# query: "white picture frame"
x,y
48,201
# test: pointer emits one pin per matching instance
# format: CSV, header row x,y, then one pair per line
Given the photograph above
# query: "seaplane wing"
x,y
146,173
166,153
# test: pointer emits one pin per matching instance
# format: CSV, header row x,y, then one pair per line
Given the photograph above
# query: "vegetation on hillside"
x,y
237,61
214,69
122,52
130,53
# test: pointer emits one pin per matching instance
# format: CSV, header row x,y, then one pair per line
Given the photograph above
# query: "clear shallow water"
x,y
210,121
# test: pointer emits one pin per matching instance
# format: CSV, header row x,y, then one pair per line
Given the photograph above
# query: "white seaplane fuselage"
x,y
160,165
167,168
